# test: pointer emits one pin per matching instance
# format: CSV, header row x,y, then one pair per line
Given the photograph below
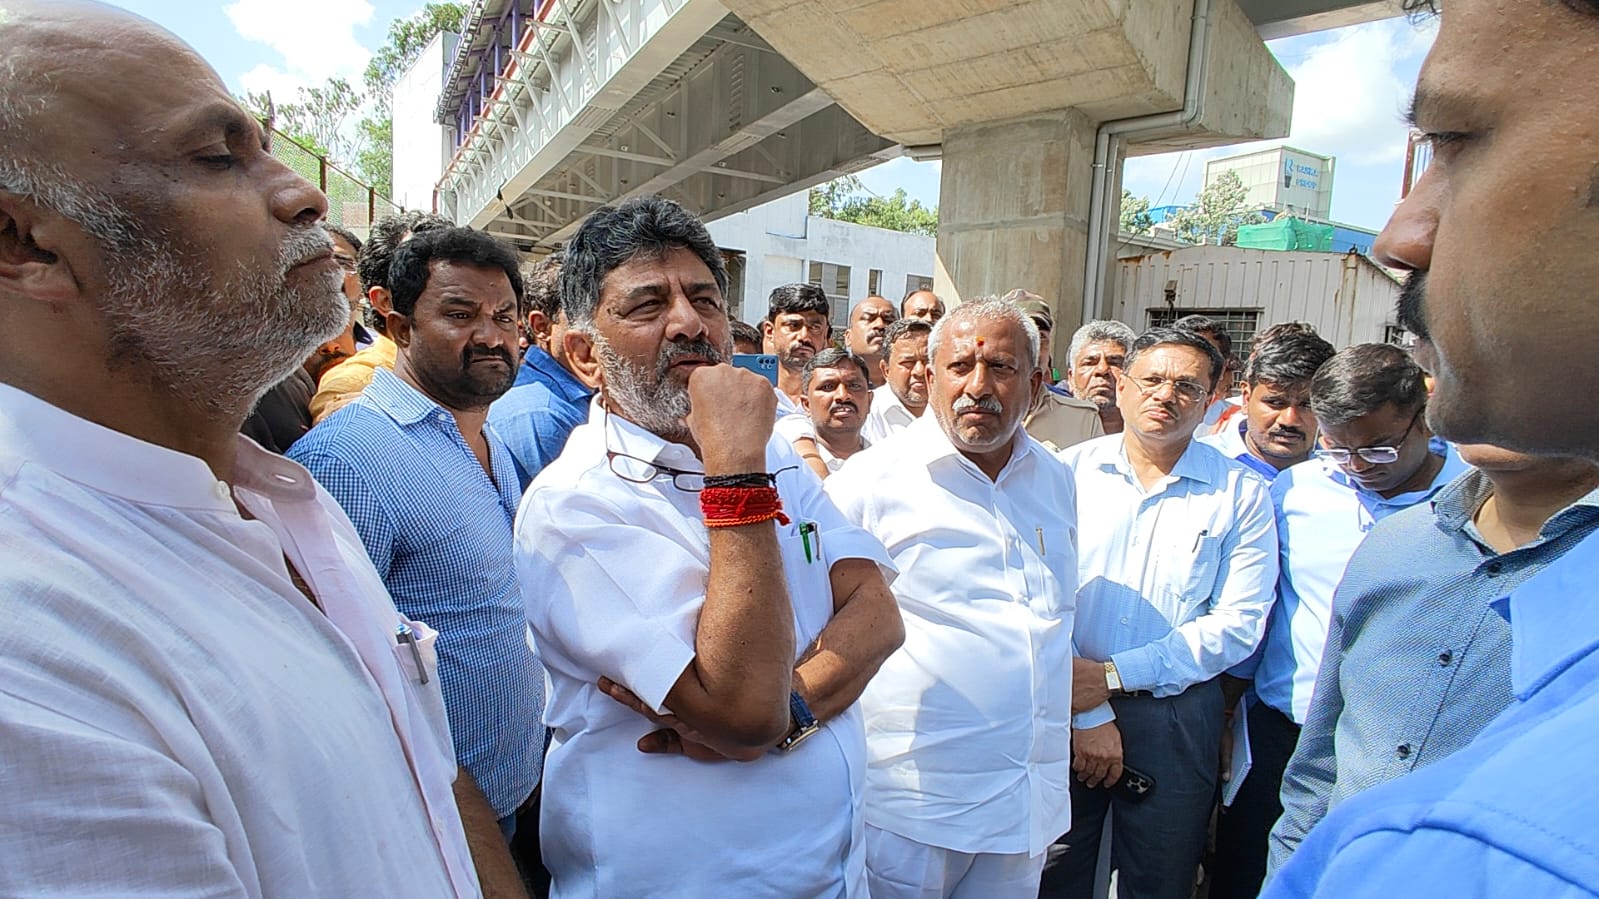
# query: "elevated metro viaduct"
x,y
559,106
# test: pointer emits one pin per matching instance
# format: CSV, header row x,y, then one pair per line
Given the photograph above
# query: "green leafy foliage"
x,y
1216,213
846,199
320,117
1135,217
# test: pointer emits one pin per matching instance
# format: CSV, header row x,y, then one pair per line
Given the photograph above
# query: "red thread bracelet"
x,y
731,507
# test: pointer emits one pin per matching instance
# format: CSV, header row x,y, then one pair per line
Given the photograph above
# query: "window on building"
x,y
914,283
874,282
1398,337
1241,324
834,281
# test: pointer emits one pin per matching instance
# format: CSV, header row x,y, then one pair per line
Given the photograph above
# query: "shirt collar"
x,y
399,400
630,439
1197,463
1551,618
120,465
555,374
932,444
1457,502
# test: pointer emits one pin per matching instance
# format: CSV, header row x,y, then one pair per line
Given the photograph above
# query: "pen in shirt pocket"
x,y
811,539
404,636
1199,538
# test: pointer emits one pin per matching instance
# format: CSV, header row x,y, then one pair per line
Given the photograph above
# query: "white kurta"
x,y
968,724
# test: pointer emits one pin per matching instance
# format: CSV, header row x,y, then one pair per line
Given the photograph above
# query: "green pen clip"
x,y
807,528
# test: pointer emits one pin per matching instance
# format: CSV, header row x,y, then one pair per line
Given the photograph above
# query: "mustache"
x,y
473,354
304,244
1411,297
674,350
1286,432
987,404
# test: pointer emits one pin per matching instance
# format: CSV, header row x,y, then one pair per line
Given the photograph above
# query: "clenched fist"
x,y
732,417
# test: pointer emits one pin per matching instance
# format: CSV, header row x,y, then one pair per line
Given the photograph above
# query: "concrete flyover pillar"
x,y
1013,207
1014,94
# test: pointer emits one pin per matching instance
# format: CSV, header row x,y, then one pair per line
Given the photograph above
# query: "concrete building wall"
x,y
782,243
1346,297
421,147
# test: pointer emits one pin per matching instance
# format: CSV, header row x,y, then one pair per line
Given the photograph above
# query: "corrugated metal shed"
x,y
1349,298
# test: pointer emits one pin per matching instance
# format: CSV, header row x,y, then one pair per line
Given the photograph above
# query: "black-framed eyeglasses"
x,y
1187,391
639,471
1376,455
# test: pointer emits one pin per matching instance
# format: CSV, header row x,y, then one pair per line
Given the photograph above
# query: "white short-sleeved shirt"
x,y
175,717
968,724
614,574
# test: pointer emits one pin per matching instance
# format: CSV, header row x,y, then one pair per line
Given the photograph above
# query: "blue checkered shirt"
x,y
1417,661
439,532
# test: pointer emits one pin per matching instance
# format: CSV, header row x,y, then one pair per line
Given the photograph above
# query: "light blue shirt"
x,y
438,530
1417,661
1510,815
538,413
1230,440
1175,582
1322,516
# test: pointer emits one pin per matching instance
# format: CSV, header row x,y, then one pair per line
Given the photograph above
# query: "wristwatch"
x,y
1113,678
804,723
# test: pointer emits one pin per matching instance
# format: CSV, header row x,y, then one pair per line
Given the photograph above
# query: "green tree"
x,y
1135,217
316,116
847,200
1216,214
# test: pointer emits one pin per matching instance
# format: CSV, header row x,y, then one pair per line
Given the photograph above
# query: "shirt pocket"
x,y
1201,564
419,663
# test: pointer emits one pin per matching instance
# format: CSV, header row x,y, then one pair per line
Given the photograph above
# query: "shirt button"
x,y
1445,657
222,490
1124,621
1403,751
1494,568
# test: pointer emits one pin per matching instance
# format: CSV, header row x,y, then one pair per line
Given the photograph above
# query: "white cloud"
x,y
315,38
1349,96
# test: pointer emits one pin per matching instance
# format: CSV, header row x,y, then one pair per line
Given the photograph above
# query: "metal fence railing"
x,y
351,203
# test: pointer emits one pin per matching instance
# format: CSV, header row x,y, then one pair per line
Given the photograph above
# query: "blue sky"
x,y
1351,88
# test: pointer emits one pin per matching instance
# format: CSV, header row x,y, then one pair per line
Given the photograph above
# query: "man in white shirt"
x,y
868,325
903,396
1177,564
204,688
679,625
837,398
969,725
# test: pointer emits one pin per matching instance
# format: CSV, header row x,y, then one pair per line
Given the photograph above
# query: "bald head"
x,y
146,226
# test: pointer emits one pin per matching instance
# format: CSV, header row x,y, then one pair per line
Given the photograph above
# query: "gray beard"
x,y
651,400
217,342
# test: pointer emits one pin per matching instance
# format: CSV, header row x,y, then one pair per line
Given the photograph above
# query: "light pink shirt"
x,y
175,717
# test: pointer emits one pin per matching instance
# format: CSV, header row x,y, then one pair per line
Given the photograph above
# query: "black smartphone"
x,y
1134,785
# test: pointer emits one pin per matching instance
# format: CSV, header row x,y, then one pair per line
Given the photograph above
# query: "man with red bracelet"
x,y
697,597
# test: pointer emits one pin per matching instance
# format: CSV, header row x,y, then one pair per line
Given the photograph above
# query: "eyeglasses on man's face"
x,y
1376,455
1184,389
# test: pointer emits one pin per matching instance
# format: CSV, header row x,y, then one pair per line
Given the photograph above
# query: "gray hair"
x,y
22,104
990,309
613,235
1095,331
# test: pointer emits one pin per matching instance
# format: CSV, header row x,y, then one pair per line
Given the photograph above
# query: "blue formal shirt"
x,y
1230,440
439,532
538,413
1417,661
1174,582
1510,815
1322,516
